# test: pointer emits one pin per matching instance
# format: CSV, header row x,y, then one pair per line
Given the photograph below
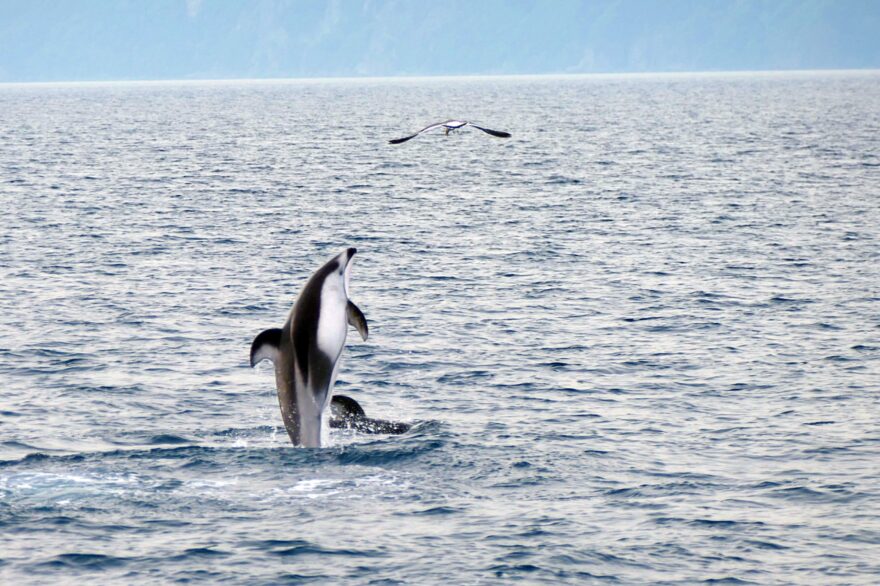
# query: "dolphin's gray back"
x,y
285,381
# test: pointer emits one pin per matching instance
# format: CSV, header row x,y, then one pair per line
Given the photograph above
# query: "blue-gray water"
x,y
640,340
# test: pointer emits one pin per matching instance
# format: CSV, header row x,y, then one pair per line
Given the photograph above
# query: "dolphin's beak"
x,y
349,254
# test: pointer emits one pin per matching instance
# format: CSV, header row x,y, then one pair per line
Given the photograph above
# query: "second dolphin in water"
x,y
307,349
348,414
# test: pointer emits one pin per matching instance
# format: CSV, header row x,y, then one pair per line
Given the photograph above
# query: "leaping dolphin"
x,y
306,350
451,125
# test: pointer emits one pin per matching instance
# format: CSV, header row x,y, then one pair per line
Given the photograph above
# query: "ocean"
x,y
638,342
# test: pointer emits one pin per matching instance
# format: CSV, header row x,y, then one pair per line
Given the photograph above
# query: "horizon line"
x,y
464,76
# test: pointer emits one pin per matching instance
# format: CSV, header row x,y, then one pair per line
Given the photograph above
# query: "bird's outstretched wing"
x,y
498,133
404,139
425,129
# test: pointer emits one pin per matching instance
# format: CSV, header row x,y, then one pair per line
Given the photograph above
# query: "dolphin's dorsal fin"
x,y
344,407
266,346
357,319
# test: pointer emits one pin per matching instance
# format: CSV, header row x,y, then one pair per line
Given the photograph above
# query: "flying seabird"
x,y
451,125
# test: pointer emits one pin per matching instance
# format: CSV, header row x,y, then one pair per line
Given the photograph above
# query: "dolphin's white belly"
x,y
331,333
333,323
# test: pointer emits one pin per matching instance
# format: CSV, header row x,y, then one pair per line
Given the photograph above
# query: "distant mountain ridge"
x,y
46,40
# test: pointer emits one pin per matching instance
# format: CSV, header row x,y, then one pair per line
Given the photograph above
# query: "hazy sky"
x,y
51,40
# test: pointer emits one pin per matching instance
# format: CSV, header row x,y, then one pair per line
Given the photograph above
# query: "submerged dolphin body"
x,y
307,349
348,414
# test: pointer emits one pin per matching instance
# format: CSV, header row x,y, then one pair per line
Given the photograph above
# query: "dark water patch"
x,y
562,180
196,553
781,300
574,391
765,544
558,366
865,348
289,578
15,445
528,481
166,523
374,455
261,431
187,455
39,457
81,561
168,439
506,571
725,524
459,377
656,490
839,358
638,319
169,485
436,511
802,493
308,549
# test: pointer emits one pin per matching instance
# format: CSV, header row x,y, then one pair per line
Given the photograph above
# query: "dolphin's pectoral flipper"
x,y
266,346
356,318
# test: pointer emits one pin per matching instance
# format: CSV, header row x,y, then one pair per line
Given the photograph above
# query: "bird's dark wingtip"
x,y
498,133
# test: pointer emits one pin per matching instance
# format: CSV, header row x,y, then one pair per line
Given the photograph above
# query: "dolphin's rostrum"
x,y
307,349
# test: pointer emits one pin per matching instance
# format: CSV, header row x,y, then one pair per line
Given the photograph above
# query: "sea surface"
x,y
639,341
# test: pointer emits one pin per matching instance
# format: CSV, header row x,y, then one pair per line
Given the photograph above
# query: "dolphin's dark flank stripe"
x,y
305,322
